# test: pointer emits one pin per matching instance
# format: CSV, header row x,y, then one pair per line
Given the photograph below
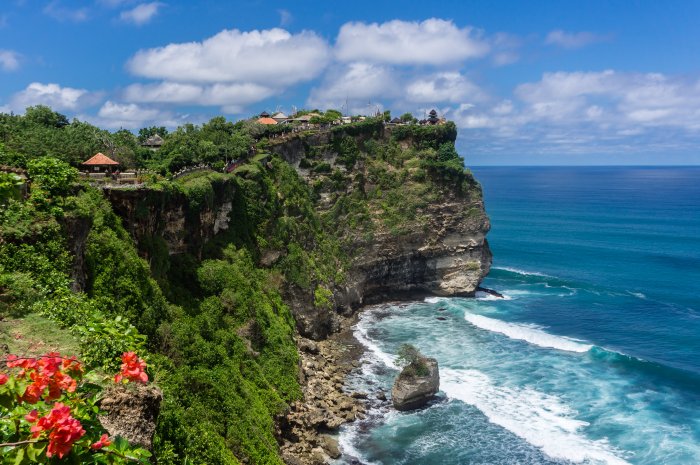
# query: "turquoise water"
x,y
594,355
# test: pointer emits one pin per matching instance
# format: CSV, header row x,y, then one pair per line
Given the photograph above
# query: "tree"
x,y
43,115
407,118
145,133
52,175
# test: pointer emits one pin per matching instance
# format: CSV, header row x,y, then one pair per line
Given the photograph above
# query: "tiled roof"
x,y
100,159
267,121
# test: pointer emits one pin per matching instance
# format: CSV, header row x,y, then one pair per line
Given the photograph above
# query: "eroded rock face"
x,y
412,392
131,412
150,214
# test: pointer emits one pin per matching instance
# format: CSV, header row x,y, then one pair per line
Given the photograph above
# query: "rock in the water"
x,y
412,391
131,412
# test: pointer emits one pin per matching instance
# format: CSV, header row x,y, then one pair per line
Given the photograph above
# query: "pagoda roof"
x,y
100,159
267,120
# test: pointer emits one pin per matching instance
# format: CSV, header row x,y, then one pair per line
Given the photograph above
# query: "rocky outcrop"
x,y
131,412
411,390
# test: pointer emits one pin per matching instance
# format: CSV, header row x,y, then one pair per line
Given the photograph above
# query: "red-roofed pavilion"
x,y
100,163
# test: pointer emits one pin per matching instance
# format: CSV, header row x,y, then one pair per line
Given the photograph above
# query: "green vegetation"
x,y
412,362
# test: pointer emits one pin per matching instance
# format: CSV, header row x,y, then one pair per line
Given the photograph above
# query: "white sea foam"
x,y
481,295
542,420
522,272
527,333
360,334
434,300
638,295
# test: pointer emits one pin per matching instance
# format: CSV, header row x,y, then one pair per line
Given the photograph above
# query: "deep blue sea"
x,y
593,356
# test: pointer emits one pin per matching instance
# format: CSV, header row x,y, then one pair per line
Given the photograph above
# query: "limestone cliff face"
x,y
448,257
441,249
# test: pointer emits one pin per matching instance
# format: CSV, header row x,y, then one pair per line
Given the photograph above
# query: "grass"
x,y
36,335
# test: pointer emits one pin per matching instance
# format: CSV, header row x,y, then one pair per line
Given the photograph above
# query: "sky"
x,y
527,83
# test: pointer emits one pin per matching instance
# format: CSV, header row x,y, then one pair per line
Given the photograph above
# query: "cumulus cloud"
x,y
267,56
580,112
224,94
141,14
57,97
357,83
572,40
9,60
442,87
430,42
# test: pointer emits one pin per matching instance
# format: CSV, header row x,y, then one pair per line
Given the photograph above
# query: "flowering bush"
x,y
133,369
47,411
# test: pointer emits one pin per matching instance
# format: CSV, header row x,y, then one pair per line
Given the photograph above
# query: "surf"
x,y
529,333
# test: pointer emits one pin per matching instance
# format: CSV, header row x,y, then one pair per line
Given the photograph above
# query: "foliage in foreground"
x,y
49,412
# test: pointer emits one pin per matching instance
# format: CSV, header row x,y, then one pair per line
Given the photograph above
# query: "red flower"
x,y
31,416
63,429
3,378
103,442
132,369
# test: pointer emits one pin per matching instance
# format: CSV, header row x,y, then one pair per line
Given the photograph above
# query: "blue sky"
x,y
565,82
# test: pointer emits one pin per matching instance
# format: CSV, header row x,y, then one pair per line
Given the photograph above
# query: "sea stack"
x,y
417,384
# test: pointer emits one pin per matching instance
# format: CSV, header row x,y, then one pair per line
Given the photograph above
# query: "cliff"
x,y
413,223
409,220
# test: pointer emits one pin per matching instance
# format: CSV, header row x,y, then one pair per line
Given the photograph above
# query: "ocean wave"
x,y
434,300
521,272
481,295
540,419
532,334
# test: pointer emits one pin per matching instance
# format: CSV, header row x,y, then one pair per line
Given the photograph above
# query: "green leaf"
x,y
19,458
35,450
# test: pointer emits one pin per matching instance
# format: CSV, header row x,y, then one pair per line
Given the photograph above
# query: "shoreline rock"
x,y
412,391
307,432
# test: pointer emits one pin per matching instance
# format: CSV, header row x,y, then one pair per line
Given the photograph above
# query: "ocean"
x,y
592,357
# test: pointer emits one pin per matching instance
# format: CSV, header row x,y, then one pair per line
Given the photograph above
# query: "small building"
x,y
264,114
280,117
100,163
154,142
396,121
266,120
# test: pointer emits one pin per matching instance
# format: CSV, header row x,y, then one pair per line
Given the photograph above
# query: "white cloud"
x,y
9,60
267,57
572,40
224,94
115,115
141,14
589,112
61,13
442,87
57,97
127,112
357,83
430,42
